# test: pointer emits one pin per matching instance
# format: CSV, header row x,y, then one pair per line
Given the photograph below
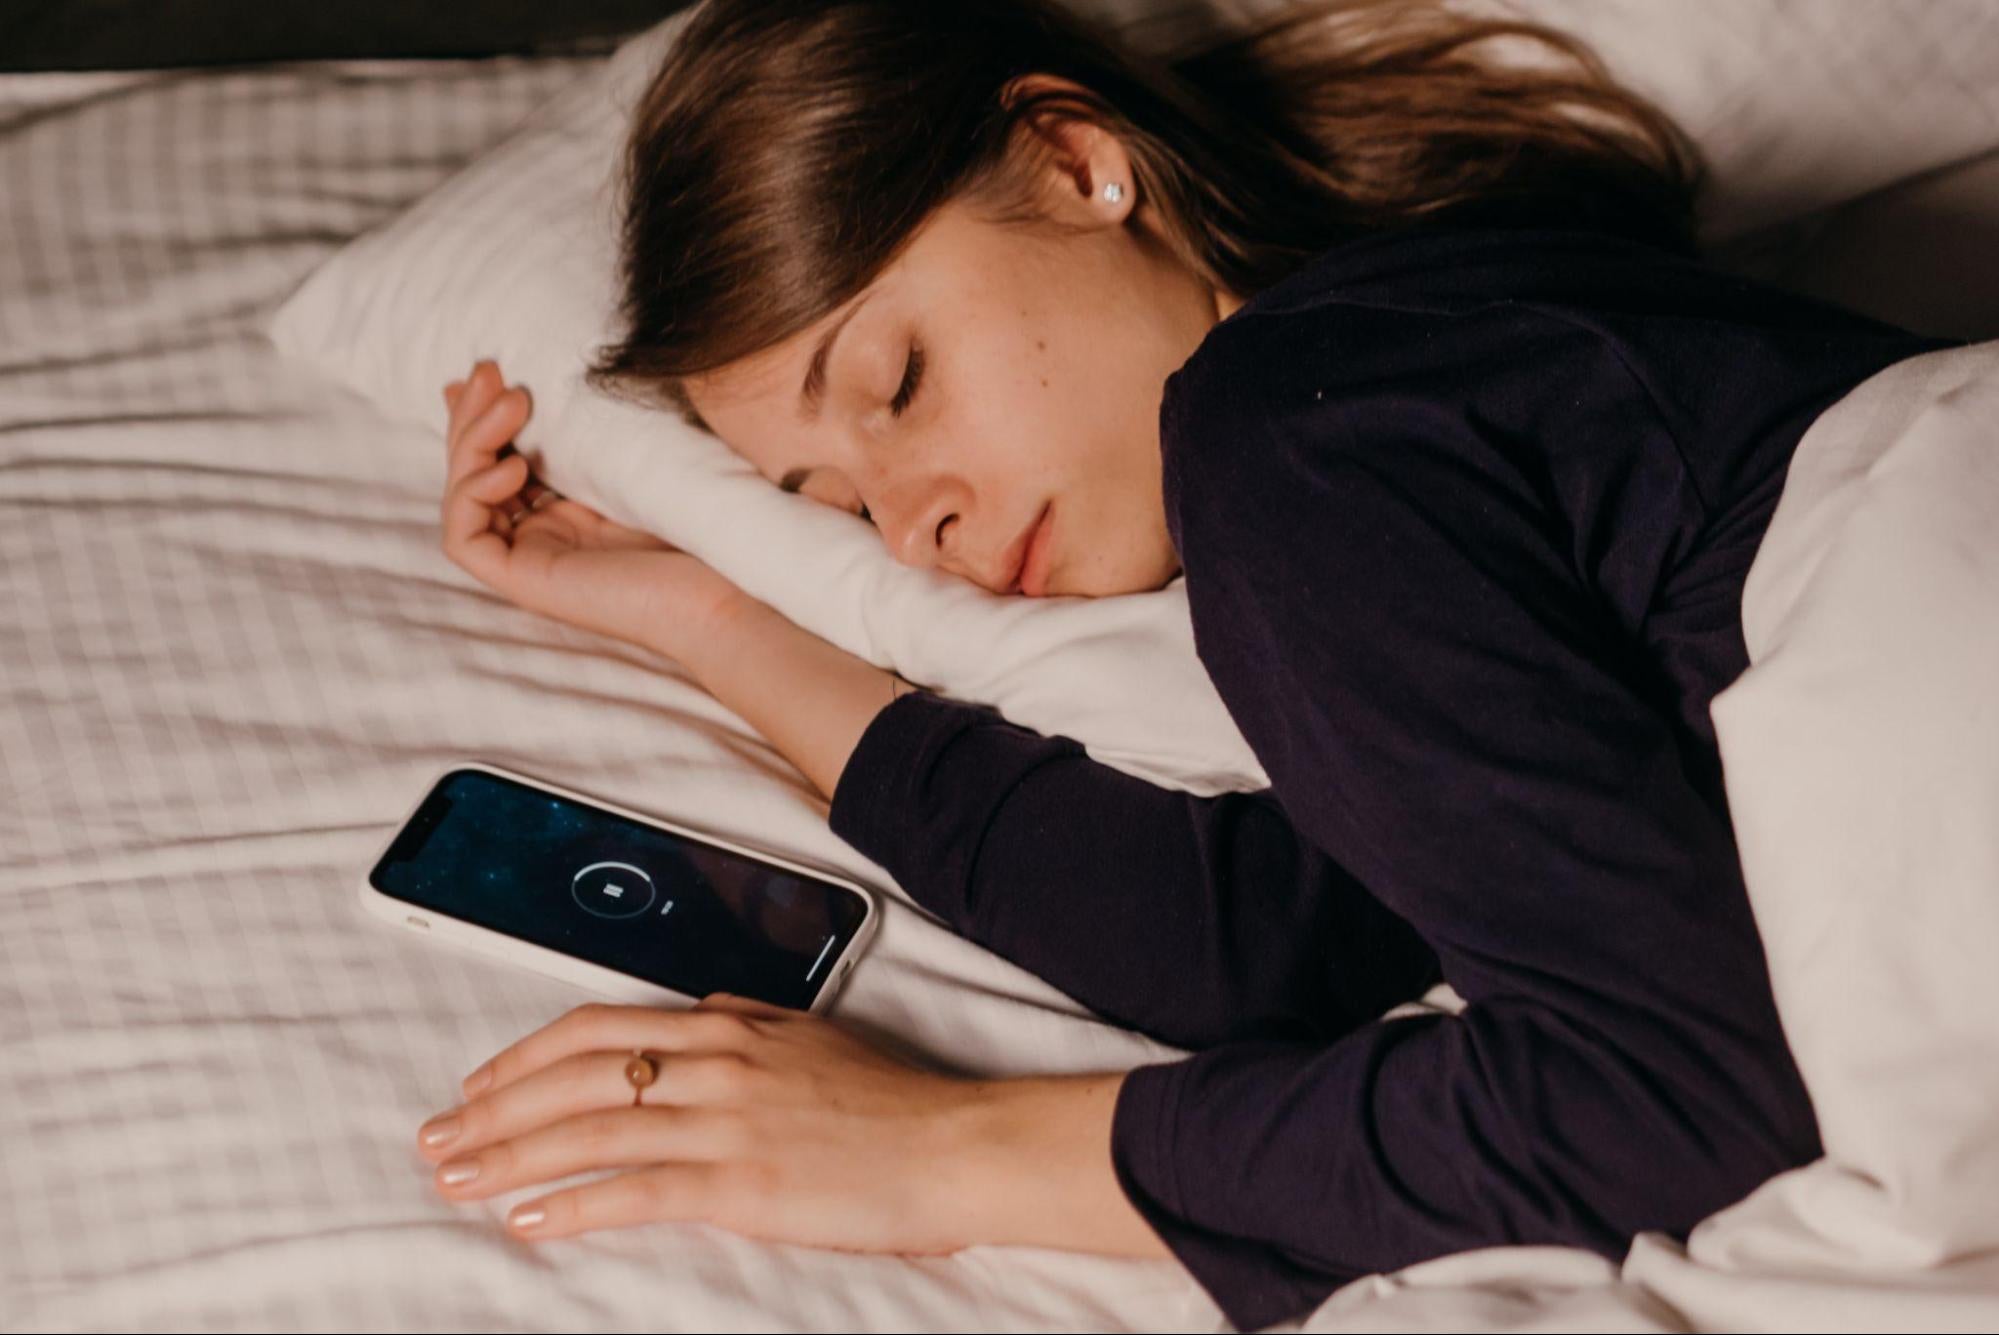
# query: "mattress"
x,y
233,654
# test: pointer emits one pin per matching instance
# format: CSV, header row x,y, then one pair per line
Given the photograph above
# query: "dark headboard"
x,y
136,34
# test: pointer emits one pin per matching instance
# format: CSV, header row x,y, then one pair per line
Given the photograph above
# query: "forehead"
x,y
752,403
955,263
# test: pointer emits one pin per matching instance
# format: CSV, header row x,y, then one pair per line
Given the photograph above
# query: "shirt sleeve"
x,y
1191,919
1451,714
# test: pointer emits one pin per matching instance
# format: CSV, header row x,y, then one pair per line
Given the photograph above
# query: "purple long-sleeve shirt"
x,y
1464,515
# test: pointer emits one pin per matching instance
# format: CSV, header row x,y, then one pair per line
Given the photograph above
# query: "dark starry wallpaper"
x,y
596,886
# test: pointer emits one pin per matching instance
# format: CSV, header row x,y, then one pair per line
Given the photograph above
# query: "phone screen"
x,y
593,884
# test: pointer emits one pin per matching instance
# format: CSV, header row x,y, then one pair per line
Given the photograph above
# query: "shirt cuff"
x,y
876,807
1254,1285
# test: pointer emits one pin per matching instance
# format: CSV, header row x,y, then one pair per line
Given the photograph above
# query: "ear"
x,y
1083,157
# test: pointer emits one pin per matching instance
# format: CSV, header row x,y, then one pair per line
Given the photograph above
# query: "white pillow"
x,y
515,259
1800,104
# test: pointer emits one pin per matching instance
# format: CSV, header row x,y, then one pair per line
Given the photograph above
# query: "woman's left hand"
x,y
770,1122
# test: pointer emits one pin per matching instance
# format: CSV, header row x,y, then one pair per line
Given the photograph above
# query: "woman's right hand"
x,y
809,697
563,560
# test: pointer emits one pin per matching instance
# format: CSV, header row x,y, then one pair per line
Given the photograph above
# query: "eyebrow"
x,y
815,372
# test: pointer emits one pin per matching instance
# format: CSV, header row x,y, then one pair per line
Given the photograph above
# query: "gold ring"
x,y
640,1071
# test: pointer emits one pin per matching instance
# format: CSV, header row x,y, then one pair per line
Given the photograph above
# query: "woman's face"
x,y
992,376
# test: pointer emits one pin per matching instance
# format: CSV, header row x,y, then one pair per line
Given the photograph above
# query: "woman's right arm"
x,y
1192,919
809,698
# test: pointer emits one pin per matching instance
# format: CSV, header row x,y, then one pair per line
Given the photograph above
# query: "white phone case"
x,y
597,978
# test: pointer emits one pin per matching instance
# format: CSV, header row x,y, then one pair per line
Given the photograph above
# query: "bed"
x,y
233,651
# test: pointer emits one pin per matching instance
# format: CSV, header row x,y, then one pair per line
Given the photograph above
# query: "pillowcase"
x,y
515,259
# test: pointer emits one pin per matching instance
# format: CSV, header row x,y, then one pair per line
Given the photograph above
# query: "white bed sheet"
x,y
232,653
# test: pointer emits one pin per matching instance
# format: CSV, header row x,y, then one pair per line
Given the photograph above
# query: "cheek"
x,y
1001,420
1084,422
1043,406
1101,379
1031,443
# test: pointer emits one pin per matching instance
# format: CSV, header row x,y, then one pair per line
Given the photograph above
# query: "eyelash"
x,y
912,375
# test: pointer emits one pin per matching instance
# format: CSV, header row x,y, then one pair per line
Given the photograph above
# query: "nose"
x,y
920,525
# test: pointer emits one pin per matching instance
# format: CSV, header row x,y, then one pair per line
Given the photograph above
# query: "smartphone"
x,y
629,906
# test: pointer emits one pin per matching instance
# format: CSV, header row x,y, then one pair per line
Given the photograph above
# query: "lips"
x,y
1024,551
1014,559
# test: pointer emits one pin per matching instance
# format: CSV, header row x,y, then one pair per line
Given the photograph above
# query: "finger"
x,y
481,443
536,494
590,1142
491,433
579,1083
740,1005
673,1191
480,439
469,517
478,390
485,377
587,1082
580,1086
469,504
457,462
602,1025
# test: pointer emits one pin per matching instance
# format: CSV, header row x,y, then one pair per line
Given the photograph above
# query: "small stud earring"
x,y
1113,192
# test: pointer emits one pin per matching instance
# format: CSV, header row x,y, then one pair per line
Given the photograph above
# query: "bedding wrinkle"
x,y
211,1062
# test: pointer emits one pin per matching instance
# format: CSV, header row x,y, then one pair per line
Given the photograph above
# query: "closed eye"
x,y
912,375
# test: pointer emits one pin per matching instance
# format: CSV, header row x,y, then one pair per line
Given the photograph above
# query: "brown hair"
x,y
787,150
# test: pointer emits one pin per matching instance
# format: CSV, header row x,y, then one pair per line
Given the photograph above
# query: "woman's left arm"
x,y
779,1125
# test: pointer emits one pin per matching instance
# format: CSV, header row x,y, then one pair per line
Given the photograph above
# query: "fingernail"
x,y
441,1132
527,1216
458,1172
478,1080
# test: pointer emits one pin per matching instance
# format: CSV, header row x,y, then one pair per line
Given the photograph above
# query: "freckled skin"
x,y
1044,358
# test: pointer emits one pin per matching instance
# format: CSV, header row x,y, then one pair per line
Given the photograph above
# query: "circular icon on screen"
x,y
612,890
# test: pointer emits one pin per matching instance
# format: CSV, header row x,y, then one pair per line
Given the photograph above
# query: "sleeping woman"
x,y
1404,358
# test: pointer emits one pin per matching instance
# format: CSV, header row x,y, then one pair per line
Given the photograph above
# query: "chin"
x,y
1151,578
